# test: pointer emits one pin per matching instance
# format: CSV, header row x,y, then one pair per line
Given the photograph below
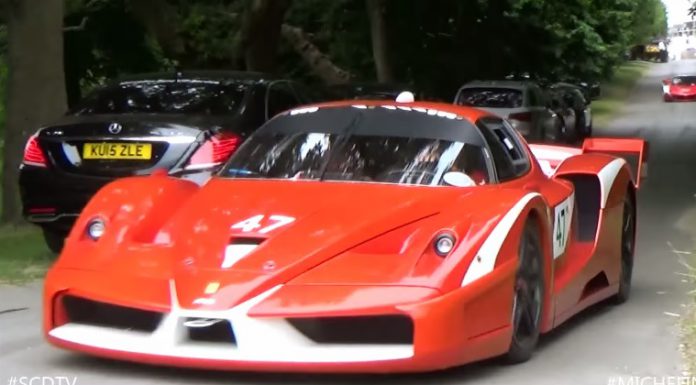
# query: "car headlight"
x,y
96,228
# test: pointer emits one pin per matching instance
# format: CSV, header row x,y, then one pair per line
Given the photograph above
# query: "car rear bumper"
x,y
466,325
55,199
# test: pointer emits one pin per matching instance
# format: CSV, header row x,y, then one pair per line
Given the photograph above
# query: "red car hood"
x,y
328,218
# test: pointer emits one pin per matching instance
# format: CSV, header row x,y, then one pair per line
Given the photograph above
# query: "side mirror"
x,y
666,81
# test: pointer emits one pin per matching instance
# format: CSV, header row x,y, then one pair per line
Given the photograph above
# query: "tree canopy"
x,y
57,50
432,44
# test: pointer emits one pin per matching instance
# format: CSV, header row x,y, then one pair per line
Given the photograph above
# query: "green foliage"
x,y
209,30
340,29
434,44
112,43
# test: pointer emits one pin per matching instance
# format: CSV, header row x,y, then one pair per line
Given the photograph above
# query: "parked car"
x,y
562,105
591,90
187,123
656,50
523,103
581,104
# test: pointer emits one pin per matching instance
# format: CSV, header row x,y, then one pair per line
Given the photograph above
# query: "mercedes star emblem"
x,y
115,128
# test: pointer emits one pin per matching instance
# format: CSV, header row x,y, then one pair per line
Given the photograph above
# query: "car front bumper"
x,y
465,325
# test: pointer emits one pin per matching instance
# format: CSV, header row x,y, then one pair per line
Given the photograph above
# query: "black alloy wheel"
x,y
529,296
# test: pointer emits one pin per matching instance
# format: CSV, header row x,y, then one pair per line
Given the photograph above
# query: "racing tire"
x,y
628,237
54,240
528,300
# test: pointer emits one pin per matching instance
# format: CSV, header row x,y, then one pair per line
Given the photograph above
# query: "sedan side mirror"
x,y
666,81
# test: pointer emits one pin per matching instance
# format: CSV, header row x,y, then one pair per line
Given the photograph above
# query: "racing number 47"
x,y
265,226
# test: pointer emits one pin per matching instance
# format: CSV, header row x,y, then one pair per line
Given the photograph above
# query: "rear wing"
x,y
634,151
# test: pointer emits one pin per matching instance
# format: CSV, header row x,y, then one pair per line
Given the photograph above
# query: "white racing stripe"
x,y
484,262
607,176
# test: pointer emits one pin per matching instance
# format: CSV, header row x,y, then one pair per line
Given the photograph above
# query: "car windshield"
x,y
685,80
164,97
490,97
358,155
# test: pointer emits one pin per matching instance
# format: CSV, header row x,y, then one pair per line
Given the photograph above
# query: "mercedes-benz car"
x,y
187,123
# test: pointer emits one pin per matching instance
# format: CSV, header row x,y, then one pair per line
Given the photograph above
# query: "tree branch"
x,y
79,27
319,63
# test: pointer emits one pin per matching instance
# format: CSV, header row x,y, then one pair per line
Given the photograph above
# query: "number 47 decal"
x,y
260,222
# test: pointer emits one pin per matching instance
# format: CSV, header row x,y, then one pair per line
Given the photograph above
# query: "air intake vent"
x,y
209,330
239,248
84,311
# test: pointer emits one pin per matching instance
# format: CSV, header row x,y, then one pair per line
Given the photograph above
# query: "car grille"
x,y
347,330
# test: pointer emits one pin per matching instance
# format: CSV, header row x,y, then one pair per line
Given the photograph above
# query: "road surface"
x,y
639,338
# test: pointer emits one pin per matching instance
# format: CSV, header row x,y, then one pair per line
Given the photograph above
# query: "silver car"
x,y
523,103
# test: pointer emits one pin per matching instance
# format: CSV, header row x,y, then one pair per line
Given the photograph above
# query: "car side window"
x,y
508,153
280,98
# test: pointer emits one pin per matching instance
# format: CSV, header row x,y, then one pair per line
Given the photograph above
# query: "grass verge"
x,y
616,90
688,317
23,255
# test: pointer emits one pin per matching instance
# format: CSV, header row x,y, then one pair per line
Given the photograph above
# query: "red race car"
x,y
352,237
679,88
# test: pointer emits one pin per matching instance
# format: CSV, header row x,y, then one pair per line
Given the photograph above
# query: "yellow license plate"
x,y
133,151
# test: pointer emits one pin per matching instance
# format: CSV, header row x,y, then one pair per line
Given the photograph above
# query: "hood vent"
x,y
239,248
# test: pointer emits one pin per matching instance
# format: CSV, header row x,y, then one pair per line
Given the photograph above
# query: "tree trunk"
x,y
161,21
260,34
321,66
380,40
35,86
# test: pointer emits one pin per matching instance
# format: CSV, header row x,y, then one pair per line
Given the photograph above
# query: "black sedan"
x,y
185,123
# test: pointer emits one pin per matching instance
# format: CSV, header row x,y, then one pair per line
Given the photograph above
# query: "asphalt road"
x,y
639,338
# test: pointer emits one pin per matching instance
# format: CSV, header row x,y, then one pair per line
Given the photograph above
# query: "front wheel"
x,y
528,297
